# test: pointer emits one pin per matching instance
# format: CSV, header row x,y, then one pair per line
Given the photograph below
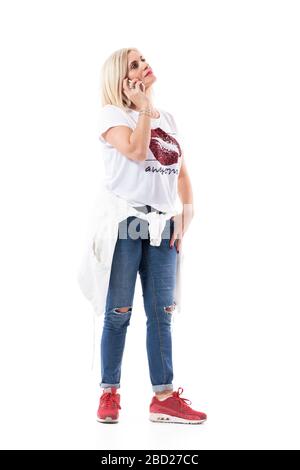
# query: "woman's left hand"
x,y
181,223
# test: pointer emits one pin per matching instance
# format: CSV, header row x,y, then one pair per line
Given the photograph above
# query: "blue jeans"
x,y
157,268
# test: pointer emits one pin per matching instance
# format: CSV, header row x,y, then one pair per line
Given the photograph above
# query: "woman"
x,y
144,169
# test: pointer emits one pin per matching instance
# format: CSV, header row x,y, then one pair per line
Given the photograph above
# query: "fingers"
x,y
178,232
174,234
178,244
126,81
135,84
175,242
172,240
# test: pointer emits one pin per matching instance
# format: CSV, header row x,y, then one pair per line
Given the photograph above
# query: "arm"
x,y
133,144
185,191
140,137
184,218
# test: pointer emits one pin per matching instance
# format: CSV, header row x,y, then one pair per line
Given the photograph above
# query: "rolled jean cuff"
x,y
103,385
162,388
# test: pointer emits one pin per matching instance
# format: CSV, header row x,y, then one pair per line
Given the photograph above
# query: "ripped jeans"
x,y
157,269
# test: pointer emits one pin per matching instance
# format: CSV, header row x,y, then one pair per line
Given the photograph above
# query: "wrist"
x,y
147,110
188,209
145,104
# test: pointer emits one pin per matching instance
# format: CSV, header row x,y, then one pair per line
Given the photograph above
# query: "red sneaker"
x,y
174,409
109,405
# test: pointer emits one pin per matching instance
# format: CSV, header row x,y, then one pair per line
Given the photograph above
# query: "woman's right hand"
x,y
136,94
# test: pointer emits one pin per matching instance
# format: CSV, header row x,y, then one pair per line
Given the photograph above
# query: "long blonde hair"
x,y
113,72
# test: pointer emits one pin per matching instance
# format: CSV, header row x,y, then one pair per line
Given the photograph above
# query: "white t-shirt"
x,y
153,181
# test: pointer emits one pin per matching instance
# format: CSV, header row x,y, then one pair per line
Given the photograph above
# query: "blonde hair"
x,y
113,72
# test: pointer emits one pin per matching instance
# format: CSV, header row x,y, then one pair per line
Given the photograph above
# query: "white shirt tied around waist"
x,y
95,267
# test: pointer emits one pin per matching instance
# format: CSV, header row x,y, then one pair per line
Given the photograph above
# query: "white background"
x,y
229,72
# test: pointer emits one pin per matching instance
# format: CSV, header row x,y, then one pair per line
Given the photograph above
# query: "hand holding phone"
x,y
135,91
132,83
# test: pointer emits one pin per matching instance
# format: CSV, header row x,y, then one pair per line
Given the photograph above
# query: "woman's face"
x,y
139,68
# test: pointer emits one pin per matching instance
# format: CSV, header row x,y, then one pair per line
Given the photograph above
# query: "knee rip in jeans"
x,y
123,309
171,308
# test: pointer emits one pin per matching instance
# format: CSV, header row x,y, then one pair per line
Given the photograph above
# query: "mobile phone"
x,y
130,81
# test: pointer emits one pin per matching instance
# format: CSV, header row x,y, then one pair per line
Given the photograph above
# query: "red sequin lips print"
x,y
164,147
